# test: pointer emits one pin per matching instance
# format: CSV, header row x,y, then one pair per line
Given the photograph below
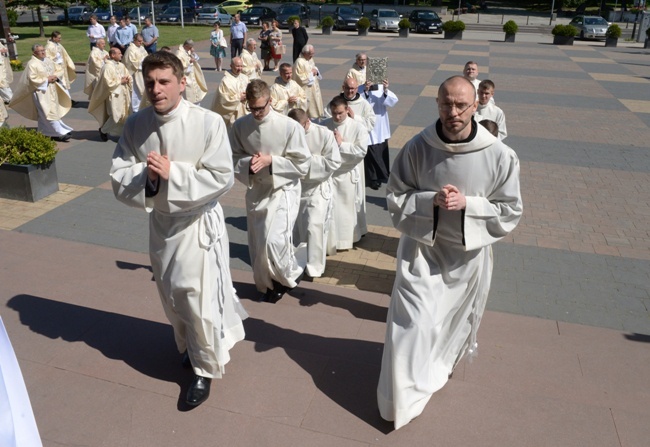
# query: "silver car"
x,y
211,14
590,27
384,19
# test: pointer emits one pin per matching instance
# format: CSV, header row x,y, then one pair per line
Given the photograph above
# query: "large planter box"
x,y
29,183
363,32
646,43
403,32
327,30
510,38
563,40
453,35
611,41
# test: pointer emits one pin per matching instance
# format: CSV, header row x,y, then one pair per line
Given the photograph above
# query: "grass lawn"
x,y
75,41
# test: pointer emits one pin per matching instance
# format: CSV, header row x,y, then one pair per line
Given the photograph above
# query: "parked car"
x,y
173,15
233,7
590,27
77,14
211,14
186,4
256,15
384,19
424,21
103,14
287,10
145,11
346,17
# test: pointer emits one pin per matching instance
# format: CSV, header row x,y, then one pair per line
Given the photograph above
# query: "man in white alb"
x,y
196,88
488,110
306,74
133,58
230,98
96,60
286,94
252,64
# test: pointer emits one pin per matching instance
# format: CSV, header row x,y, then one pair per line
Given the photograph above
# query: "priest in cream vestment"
x,y
174,162
286,94
96,60
63,64
314,216
230,98
271,156
40,97
6,75
133,58
307,75
453,191
358,70
352,138
196,87
111,100
252,65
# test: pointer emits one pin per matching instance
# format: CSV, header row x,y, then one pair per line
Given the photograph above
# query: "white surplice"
x,y
273,195
444,261
492,112
315,212
188,242
346,181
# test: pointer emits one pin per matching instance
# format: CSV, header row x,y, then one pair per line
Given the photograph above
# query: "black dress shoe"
x,y
63,138
375,184
199,391
103,136
278,292
186,362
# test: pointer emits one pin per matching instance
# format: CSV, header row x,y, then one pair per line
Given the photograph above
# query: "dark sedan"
x,y
346,17
173,15
424,21
287,10
257,15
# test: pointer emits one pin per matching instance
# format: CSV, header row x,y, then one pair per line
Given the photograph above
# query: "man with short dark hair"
x,y
453,192
95,31
133,58
271,156
174,161
123,36
150,35
238,34
286,94
300,38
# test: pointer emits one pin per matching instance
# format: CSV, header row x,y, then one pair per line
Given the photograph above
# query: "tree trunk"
x,y
39,14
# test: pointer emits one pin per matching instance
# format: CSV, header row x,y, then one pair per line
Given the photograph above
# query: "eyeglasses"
x,y
257,109
460,108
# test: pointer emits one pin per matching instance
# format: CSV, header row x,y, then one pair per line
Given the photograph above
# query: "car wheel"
x,y
307,23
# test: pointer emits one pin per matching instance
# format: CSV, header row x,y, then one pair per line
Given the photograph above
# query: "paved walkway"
x,y
564,346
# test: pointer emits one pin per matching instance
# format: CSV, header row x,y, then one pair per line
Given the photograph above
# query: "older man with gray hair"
x,y
307,75
195,88
252,65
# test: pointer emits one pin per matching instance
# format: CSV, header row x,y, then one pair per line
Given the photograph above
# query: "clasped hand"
x,y
157,166
450,198
259,162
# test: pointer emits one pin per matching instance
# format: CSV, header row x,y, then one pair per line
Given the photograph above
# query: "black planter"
x,y
509,38
647,43
363,31
453,35
563,40
327,30
29,183
403,32
611,41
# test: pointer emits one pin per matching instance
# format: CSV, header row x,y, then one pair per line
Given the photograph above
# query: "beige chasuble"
x,y
252,65
111,100
227,101
133,58
96,61
63,64
303,75
281,92
196,87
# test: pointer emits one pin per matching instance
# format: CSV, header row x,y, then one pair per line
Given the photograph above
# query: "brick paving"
x,y
579,118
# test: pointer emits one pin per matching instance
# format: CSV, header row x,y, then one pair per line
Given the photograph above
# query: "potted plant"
x,y
510,28
612,35
27,168
563,34
327,24
453,29
404,27
362,25
647,39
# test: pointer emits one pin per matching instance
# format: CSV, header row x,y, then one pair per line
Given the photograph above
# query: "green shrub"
x,y
21,146
12,15
614,31
327,21
564,30
510,27
363,23
404,23
452,26
292,19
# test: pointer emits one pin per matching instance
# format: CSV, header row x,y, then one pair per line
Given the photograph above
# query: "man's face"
x,y
286,74
456,105
147,22
39,52
128,21
309,54
57,39
362,61
236,66
163,89
260,107
123,23
236,18
296,24
93,21
113,20
251,47
471,71
116,55
339,113
101,44
350,88
138,41
484,95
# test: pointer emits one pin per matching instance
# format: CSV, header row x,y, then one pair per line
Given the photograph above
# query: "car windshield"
x,y
75,10
257,10
427,15
350,11
208,10
172,10
388,14
595,21
289,10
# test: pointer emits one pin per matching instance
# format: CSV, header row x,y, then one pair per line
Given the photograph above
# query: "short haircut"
x,y
114,50
448,80
491,126
35,46
93,17
136,35
358,55
55,34
166,48
257,89
284,65
298,115
127,18
338,101
250,41
470,63
189,43
161,60
307,49
486,84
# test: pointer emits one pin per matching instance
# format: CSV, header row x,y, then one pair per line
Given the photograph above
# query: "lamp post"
x,y
550,22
